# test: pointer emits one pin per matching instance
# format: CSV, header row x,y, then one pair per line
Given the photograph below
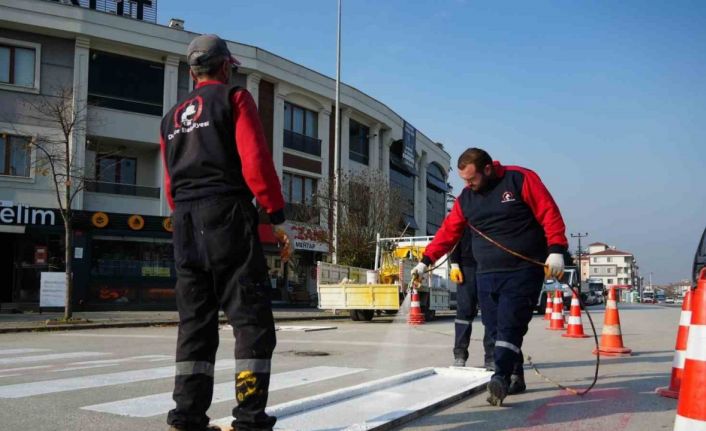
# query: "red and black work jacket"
x,y
462,254
213,145
516,210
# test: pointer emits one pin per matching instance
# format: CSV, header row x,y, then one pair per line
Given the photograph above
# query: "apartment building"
x,y
125,71
614,267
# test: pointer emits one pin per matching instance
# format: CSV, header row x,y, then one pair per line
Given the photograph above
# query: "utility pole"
x,y
579,236
336,140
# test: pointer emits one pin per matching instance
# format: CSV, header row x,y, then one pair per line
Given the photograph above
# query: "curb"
x,y
138,324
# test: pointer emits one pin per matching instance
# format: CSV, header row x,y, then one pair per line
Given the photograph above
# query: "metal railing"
x,y
303,143
144,10
122,189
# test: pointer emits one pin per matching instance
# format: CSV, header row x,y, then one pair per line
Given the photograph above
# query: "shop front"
x,y
294,282
120,261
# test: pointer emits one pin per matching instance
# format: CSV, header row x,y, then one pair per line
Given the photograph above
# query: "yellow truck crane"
x,y
367,292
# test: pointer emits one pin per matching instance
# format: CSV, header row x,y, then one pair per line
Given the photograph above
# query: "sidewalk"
x,y
32,321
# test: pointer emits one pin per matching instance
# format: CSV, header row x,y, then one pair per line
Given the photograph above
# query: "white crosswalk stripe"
x,y
95,381
21,351
48,358
153,405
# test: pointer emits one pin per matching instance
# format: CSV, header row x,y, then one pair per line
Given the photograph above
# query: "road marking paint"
x,y
153,405
170,337
12,370
146,358
21,351
96,381
367,343
47,358
83,367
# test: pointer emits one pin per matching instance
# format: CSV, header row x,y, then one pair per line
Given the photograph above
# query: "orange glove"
x,y
283,240
456,275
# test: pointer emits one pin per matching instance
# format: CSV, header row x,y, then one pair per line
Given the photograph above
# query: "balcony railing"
x,y
302,213
303,143
144,10
122,189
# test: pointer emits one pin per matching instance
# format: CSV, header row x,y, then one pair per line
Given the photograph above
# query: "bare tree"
x,y
367,206
57,158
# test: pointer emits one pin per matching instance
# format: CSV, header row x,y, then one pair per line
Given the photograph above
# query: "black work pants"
x,y
507,301
466,311
220,264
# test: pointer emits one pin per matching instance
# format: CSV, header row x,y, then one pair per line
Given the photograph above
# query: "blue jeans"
x,y
507,301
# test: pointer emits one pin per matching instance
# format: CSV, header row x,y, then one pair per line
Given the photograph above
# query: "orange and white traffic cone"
x,y
575,327
416,317
679,351
691,409
557,322
549,307
611,338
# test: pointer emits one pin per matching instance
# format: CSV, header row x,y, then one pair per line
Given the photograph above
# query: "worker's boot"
x,y
497,390
459,362
489,364
517,384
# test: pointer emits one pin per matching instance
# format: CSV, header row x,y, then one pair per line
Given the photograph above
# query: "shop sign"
x,y
19,214
307,237
136,222
52,289
100,220
409,141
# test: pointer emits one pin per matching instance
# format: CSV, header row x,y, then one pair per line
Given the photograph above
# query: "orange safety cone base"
x,y
667,392
557,329
567,335
620,352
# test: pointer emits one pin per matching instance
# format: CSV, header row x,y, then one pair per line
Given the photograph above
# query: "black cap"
x,y
206,47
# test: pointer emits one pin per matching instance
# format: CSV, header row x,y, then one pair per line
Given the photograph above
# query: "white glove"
x,y
418,270
554,266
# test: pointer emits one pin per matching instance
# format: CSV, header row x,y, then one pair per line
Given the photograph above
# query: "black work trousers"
x,y
466,311
220,264
507,301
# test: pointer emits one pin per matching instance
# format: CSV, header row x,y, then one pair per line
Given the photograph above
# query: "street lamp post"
x,y
336,140
579,236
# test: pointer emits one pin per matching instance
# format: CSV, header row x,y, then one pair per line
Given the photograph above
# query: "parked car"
x,y
669,300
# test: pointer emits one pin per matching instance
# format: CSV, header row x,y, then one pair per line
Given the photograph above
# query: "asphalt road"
x,y
55,386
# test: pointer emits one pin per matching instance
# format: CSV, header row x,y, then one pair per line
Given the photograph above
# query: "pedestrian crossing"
x,y
34,374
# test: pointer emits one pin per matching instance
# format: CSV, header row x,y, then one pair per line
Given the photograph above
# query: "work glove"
x,y
456,274
554,266
418,270
285,251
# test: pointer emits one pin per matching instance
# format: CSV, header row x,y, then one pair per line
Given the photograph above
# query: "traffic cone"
x,y
691,409
611,337
679,351
575,328
416,317
557,322
549,307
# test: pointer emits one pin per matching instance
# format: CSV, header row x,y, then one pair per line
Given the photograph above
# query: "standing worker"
x,y
216,160
513,208
463,273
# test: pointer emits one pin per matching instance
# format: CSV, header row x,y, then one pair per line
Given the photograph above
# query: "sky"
x,y
606,101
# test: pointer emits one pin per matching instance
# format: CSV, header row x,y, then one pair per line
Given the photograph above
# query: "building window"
x,y
403,182
19,65
595,260
299,196
609,259
436,198
359,147
116,169
595,270
609,281
125,83
301,129
14,156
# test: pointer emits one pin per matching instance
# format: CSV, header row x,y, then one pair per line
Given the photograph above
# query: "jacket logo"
x,y
188,112
508,197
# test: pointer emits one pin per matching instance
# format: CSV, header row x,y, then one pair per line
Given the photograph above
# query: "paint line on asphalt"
x,y
21,351
83,367
367,343
145,358
153,405
47,358
70,334
95,381
12,370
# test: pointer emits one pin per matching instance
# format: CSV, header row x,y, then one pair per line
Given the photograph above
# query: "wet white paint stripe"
x,y
96,381
36,367
142,358
83,367
153,405
70,334
21,351
48,358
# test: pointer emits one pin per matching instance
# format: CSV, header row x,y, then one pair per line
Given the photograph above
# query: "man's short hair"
x,y
479,158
